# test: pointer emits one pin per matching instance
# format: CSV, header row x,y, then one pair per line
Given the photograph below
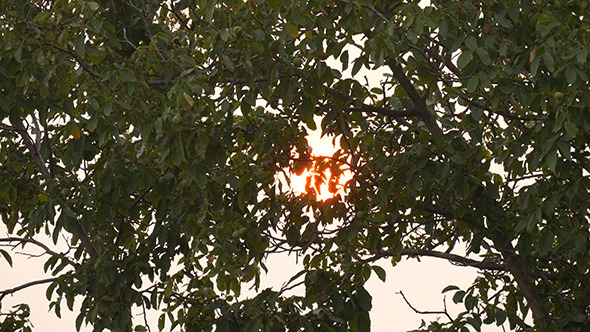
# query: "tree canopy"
x,y
151,135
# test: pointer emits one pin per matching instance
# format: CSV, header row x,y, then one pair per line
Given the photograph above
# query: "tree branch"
x,y
385,111
32,149
81,62
81,233
443,312
371,108
26,285
459,260
419,103
512,264
33,241
528,289
77,227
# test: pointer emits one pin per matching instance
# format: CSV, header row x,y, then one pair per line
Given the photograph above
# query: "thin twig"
x,y
286,288
443,312
81,62
376,12
127,41
135,202
33,241
147,325
352,154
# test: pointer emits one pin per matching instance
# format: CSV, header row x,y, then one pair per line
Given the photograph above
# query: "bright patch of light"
x,y
325,185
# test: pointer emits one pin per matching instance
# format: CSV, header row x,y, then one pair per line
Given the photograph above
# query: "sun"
x,y
324,176
323,185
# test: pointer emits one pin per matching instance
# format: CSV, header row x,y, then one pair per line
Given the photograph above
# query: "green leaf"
x,y
484,56
92,123
545,18
571,74
188,99
571,128
200,178
358,64
307,110
582,55
458,297
363,322
379,271
449,288
548,60
552,160
464,59
161,322
6,256
107,108
546,242
364,299
93,5
535,66
344,60
227,62
79,321
293,235
210,9
274,4
128,75
472,83
292,30
500,317
242,198
471,42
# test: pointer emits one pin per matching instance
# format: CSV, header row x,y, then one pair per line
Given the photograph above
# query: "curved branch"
x,y
26,285
33,241
460,260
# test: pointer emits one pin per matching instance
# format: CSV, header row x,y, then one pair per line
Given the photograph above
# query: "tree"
x,y
151,134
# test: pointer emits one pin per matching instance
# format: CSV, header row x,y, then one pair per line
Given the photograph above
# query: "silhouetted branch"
x,y
26,285
443,312
33,241
371,108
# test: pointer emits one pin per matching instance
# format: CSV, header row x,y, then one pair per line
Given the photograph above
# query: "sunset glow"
x,y
305,182
324,185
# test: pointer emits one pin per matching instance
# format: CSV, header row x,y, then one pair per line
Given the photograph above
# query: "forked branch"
x,y
440,312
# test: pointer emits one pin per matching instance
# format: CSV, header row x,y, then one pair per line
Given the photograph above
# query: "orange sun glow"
x,y
323,185
324,177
